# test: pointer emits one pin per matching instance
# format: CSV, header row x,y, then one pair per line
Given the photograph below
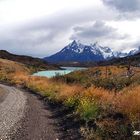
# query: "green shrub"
x,y
116,84
72,102
87,109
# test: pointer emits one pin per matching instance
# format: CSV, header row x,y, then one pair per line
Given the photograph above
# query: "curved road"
x,y
23,116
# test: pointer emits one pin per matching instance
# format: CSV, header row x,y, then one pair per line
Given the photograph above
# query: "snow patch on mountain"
x,y
79,52
95,48
135,51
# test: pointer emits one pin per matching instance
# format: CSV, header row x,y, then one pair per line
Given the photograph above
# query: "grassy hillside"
x,y
106,100
108,77
10,68
34,63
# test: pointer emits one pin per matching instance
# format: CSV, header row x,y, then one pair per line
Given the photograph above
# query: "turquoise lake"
x,y
52,73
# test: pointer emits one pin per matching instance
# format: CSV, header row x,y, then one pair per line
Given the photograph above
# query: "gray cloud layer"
x,y
97,31
124,5
48,35
128,9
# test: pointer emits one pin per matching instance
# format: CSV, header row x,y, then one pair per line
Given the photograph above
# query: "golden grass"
x,y
126,101
12,67
99,94
60,91
114,70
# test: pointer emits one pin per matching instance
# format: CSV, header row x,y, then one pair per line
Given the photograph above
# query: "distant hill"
x,y
132,60
27,60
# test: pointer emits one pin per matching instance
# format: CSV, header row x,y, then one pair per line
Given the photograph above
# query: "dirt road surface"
x,y
11,110
25,116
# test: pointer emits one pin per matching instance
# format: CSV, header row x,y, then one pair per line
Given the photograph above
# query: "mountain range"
x,y
78,52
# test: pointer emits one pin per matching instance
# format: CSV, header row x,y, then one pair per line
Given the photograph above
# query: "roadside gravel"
x,y
3,94
11,111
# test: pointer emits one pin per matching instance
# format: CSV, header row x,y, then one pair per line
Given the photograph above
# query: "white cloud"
x,y
42,27
13,11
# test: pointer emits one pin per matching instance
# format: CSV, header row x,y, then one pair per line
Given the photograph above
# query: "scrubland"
x,y
107,99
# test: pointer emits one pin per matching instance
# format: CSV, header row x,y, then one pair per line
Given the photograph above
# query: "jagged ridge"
x,y
78,52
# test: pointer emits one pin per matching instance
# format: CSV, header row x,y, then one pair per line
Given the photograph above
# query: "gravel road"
x,y
37,124
11,110
25,116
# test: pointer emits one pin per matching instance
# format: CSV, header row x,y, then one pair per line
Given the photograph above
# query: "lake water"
x,y
52,73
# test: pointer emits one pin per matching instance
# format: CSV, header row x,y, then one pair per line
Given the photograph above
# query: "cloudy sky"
x,y
43,27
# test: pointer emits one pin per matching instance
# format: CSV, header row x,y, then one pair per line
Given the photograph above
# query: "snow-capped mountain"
x,y
95,48
78,52
135,51
120,54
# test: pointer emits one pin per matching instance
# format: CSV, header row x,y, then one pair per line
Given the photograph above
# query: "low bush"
x,y
87,109
116,83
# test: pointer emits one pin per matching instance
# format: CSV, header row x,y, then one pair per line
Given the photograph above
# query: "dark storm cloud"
x,y
98,30
124,5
